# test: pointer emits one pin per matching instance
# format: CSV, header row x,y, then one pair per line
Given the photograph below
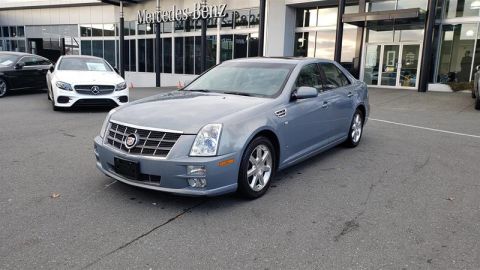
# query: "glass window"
x,y
325,43
327,16
126,55
254,20
198,60
150,55
258,79
226,47
141,55
462,8
253,45
85,30
132,26
179,55
211,51
14,46
142,29
179,26
240,46
20,31
189,55
189,25
28,61
13,31
109,52
167,27
21,46
382,5
241,18
7,59
97,30
133,58
227,21
84,64
307,17
109,30
150,29
456,53
309,76
404,4
167,55
86,47
97,48
334,77
380,36
5,31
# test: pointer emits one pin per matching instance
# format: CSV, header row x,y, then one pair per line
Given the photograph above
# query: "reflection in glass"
x,y
97,48
179,55
167,55
150,54
372,64
226,47
97,30
240,47
109,30
109,52
189,55
141,55
253,45
462,8
409,67
390,64
86,47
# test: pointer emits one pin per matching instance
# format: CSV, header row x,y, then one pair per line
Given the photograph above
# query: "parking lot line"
x,y
426,128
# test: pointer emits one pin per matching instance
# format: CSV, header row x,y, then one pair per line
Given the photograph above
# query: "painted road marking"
x,y
426,128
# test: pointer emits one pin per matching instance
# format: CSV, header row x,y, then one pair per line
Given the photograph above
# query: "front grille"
x,y
150,143
94,90
97,102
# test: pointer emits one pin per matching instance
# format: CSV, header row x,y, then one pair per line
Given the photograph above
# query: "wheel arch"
x,y
272,137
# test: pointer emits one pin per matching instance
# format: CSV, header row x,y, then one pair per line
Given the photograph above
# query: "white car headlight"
x,y
64,86
105,123
206,142
121,86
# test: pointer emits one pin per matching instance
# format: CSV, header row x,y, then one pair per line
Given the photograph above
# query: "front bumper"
x,y
172,172
73,98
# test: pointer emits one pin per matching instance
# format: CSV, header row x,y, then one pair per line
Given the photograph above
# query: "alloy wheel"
x,y
260,166
3,88
357,127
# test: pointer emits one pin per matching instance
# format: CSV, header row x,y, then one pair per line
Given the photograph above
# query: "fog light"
x,y
196,170
197,182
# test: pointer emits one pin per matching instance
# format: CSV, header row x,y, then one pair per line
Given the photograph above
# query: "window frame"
x,y
324,75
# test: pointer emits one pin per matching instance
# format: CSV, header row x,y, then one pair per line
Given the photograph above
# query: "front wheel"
x,y
477,101
257,168
3,88
356,129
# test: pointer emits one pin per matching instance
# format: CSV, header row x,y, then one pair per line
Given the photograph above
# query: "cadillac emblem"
x,y
131,141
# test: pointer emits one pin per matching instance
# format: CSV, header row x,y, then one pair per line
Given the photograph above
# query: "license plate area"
x,y
127,168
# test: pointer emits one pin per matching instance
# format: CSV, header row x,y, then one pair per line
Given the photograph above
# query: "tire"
x,y
356,129
3,88
477,102
252,186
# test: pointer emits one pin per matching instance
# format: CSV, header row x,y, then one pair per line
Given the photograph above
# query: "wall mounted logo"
x,y
200,11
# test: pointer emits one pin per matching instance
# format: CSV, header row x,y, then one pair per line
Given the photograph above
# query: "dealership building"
x,y
406,44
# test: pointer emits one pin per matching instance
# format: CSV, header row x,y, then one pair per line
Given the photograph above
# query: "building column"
x,y
427,54
261,28
158,50
121,44
279,37
339,37
357,61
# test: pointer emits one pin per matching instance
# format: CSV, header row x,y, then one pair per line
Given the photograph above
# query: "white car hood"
x,y
75,77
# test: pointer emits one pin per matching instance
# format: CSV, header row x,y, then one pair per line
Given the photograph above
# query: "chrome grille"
x,y
100,90
150,143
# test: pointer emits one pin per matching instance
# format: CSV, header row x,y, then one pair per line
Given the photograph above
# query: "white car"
x,y
85,81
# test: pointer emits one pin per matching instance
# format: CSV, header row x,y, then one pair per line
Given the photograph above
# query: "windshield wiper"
x,y
238,93
199,90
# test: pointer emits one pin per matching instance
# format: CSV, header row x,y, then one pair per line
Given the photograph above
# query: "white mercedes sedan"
x,y
85,81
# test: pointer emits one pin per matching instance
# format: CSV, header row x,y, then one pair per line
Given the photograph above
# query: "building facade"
x,y
382,42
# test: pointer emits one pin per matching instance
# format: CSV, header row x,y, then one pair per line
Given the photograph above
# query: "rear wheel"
x,y
257,168
356,129
3,88
477,101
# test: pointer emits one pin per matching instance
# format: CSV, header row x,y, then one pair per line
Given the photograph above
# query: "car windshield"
x,y
7,60
84,64
244,78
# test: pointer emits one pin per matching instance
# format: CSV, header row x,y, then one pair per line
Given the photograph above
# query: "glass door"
x,y
409,65
392,65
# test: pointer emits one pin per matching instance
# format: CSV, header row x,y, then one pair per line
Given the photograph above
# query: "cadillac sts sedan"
x,y
85,81
233,127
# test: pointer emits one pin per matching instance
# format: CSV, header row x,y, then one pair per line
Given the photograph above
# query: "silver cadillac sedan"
x,y
233,127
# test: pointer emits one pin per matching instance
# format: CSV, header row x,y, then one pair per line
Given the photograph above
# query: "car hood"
x,y
183,111
88,77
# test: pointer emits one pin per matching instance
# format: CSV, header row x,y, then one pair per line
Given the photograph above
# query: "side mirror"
x,y
19,66
305,92
116,70
52,68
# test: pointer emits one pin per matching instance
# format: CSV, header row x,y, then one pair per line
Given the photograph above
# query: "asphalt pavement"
x,y
407,198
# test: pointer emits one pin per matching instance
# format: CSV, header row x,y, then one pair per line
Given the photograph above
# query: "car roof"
x,y
280,60
81,56
17,53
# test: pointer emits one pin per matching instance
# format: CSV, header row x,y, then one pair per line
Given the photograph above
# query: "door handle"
x,y
350,94
325,104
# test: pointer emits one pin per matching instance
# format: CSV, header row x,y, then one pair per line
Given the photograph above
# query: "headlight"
x,y
206,142
105,123
64,86
121,86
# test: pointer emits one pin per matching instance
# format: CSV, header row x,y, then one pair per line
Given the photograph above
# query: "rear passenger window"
x,y
334,76
309,76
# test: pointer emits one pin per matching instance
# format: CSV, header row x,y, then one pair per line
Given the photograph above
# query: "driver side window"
x,y
310,76
28,61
